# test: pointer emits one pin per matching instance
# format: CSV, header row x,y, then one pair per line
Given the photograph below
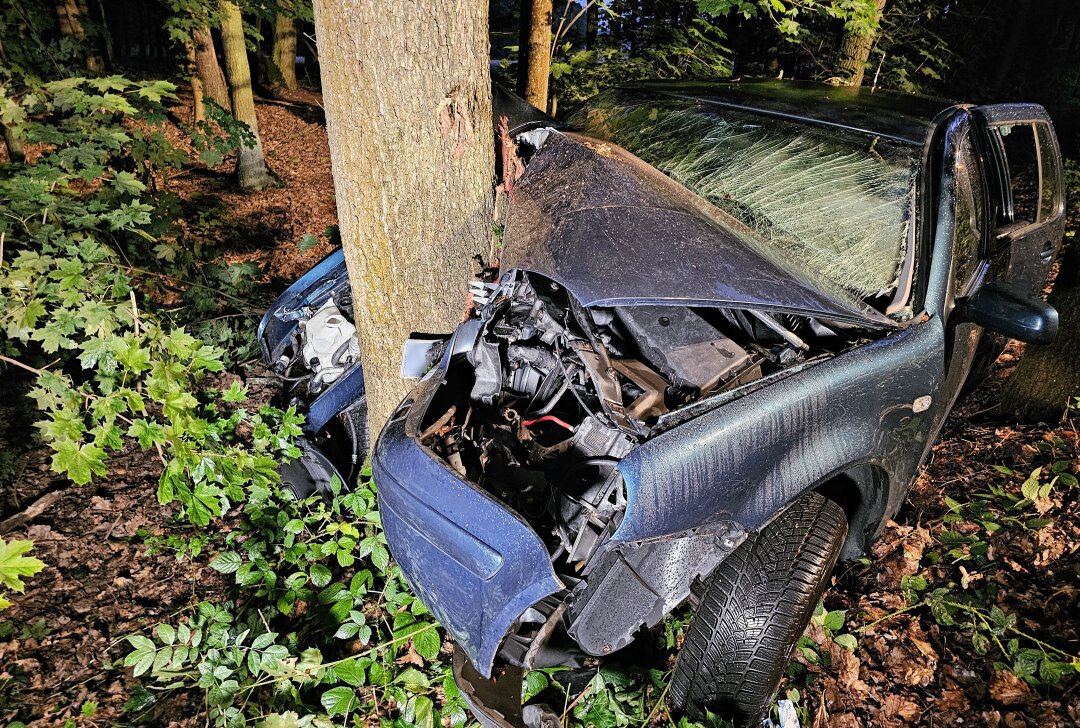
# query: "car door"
x,y
971,264
1026,187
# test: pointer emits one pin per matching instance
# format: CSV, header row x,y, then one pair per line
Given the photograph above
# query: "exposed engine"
x,y
323,348
329,344
552,396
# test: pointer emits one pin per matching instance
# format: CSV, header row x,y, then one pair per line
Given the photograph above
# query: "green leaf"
x,y
427,643
307,242
413,680
320,575
79,462
1030,488
351,672
834,621
847,641
338,701
14,565
227,562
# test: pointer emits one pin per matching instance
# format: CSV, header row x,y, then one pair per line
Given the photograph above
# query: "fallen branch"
x,y
31,512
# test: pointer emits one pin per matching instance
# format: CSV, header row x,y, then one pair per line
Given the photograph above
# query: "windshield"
x,y
833,204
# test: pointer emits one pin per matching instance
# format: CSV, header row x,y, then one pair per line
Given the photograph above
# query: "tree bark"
x,y
408,110
592,25
534,52
14,145
1049,376
251,170
855,52
198,91
208,69
283,54
70,16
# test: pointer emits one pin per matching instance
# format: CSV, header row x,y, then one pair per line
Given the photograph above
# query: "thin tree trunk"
x,y
1048,376
208,69
408,109
283,54
855,52
14,146
592,24
70,16
198,92
251,170
534,52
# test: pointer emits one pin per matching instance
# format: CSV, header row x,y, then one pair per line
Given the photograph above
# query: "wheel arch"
x,y
862,491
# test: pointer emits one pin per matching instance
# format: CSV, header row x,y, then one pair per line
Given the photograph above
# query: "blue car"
x,y
729,323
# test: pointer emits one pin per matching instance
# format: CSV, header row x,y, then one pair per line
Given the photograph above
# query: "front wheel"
x,y
755,607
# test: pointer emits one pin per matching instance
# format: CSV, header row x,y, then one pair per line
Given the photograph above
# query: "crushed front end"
x,y
503,479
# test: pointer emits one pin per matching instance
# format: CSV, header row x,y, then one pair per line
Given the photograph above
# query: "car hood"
x,y
615,231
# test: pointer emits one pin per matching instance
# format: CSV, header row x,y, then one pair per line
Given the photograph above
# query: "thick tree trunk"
x,y
534,52
251,170
208,69
283,54
855,52
408,110
1048,376
70,15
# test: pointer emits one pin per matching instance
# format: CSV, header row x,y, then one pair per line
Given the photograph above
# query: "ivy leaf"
x,y
80,463
13,564
307,242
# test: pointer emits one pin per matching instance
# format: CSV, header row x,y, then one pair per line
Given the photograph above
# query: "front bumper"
x,y
474,563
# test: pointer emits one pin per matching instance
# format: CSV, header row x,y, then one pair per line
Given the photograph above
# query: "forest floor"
x,y
111,572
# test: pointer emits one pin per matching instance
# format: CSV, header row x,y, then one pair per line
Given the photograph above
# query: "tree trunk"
x,y
592,24
855,52
1048,376
70,16
208,69
408,110
198,91
283,54
534,52
14,145
251,170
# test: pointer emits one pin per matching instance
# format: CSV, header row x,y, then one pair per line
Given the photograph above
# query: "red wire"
x,y
548,418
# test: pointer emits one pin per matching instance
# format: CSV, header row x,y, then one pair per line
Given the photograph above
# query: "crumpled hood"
x,y
615,231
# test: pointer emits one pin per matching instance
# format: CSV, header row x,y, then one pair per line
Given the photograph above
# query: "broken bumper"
x,y
473,562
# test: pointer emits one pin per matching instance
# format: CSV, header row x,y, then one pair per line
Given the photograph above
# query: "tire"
x,y
755,607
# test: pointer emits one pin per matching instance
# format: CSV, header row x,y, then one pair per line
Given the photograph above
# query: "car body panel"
x,y
474,563
743,461
601,222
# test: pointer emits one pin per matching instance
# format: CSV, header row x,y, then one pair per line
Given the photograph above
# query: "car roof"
x,y
898,116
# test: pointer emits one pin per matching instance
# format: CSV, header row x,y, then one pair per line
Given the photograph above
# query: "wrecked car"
x,y
729,323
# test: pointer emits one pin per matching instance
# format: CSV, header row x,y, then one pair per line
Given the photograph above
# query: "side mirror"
x,y
1005,310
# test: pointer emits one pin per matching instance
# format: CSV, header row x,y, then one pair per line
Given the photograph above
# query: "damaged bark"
x,y
408,107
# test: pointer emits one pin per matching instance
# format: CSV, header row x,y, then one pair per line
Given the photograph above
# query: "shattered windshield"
x,y
834,204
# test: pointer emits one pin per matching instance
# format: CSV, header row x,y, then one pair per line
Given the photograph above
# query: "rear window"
x,y
833,205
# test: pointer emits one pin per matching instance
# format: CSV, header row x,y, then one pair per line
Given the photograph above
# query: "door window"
x,y
1030,173
970,211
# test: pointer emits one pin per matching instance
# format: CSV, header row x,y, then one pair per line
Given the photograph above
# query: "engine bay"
x,y
552,396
